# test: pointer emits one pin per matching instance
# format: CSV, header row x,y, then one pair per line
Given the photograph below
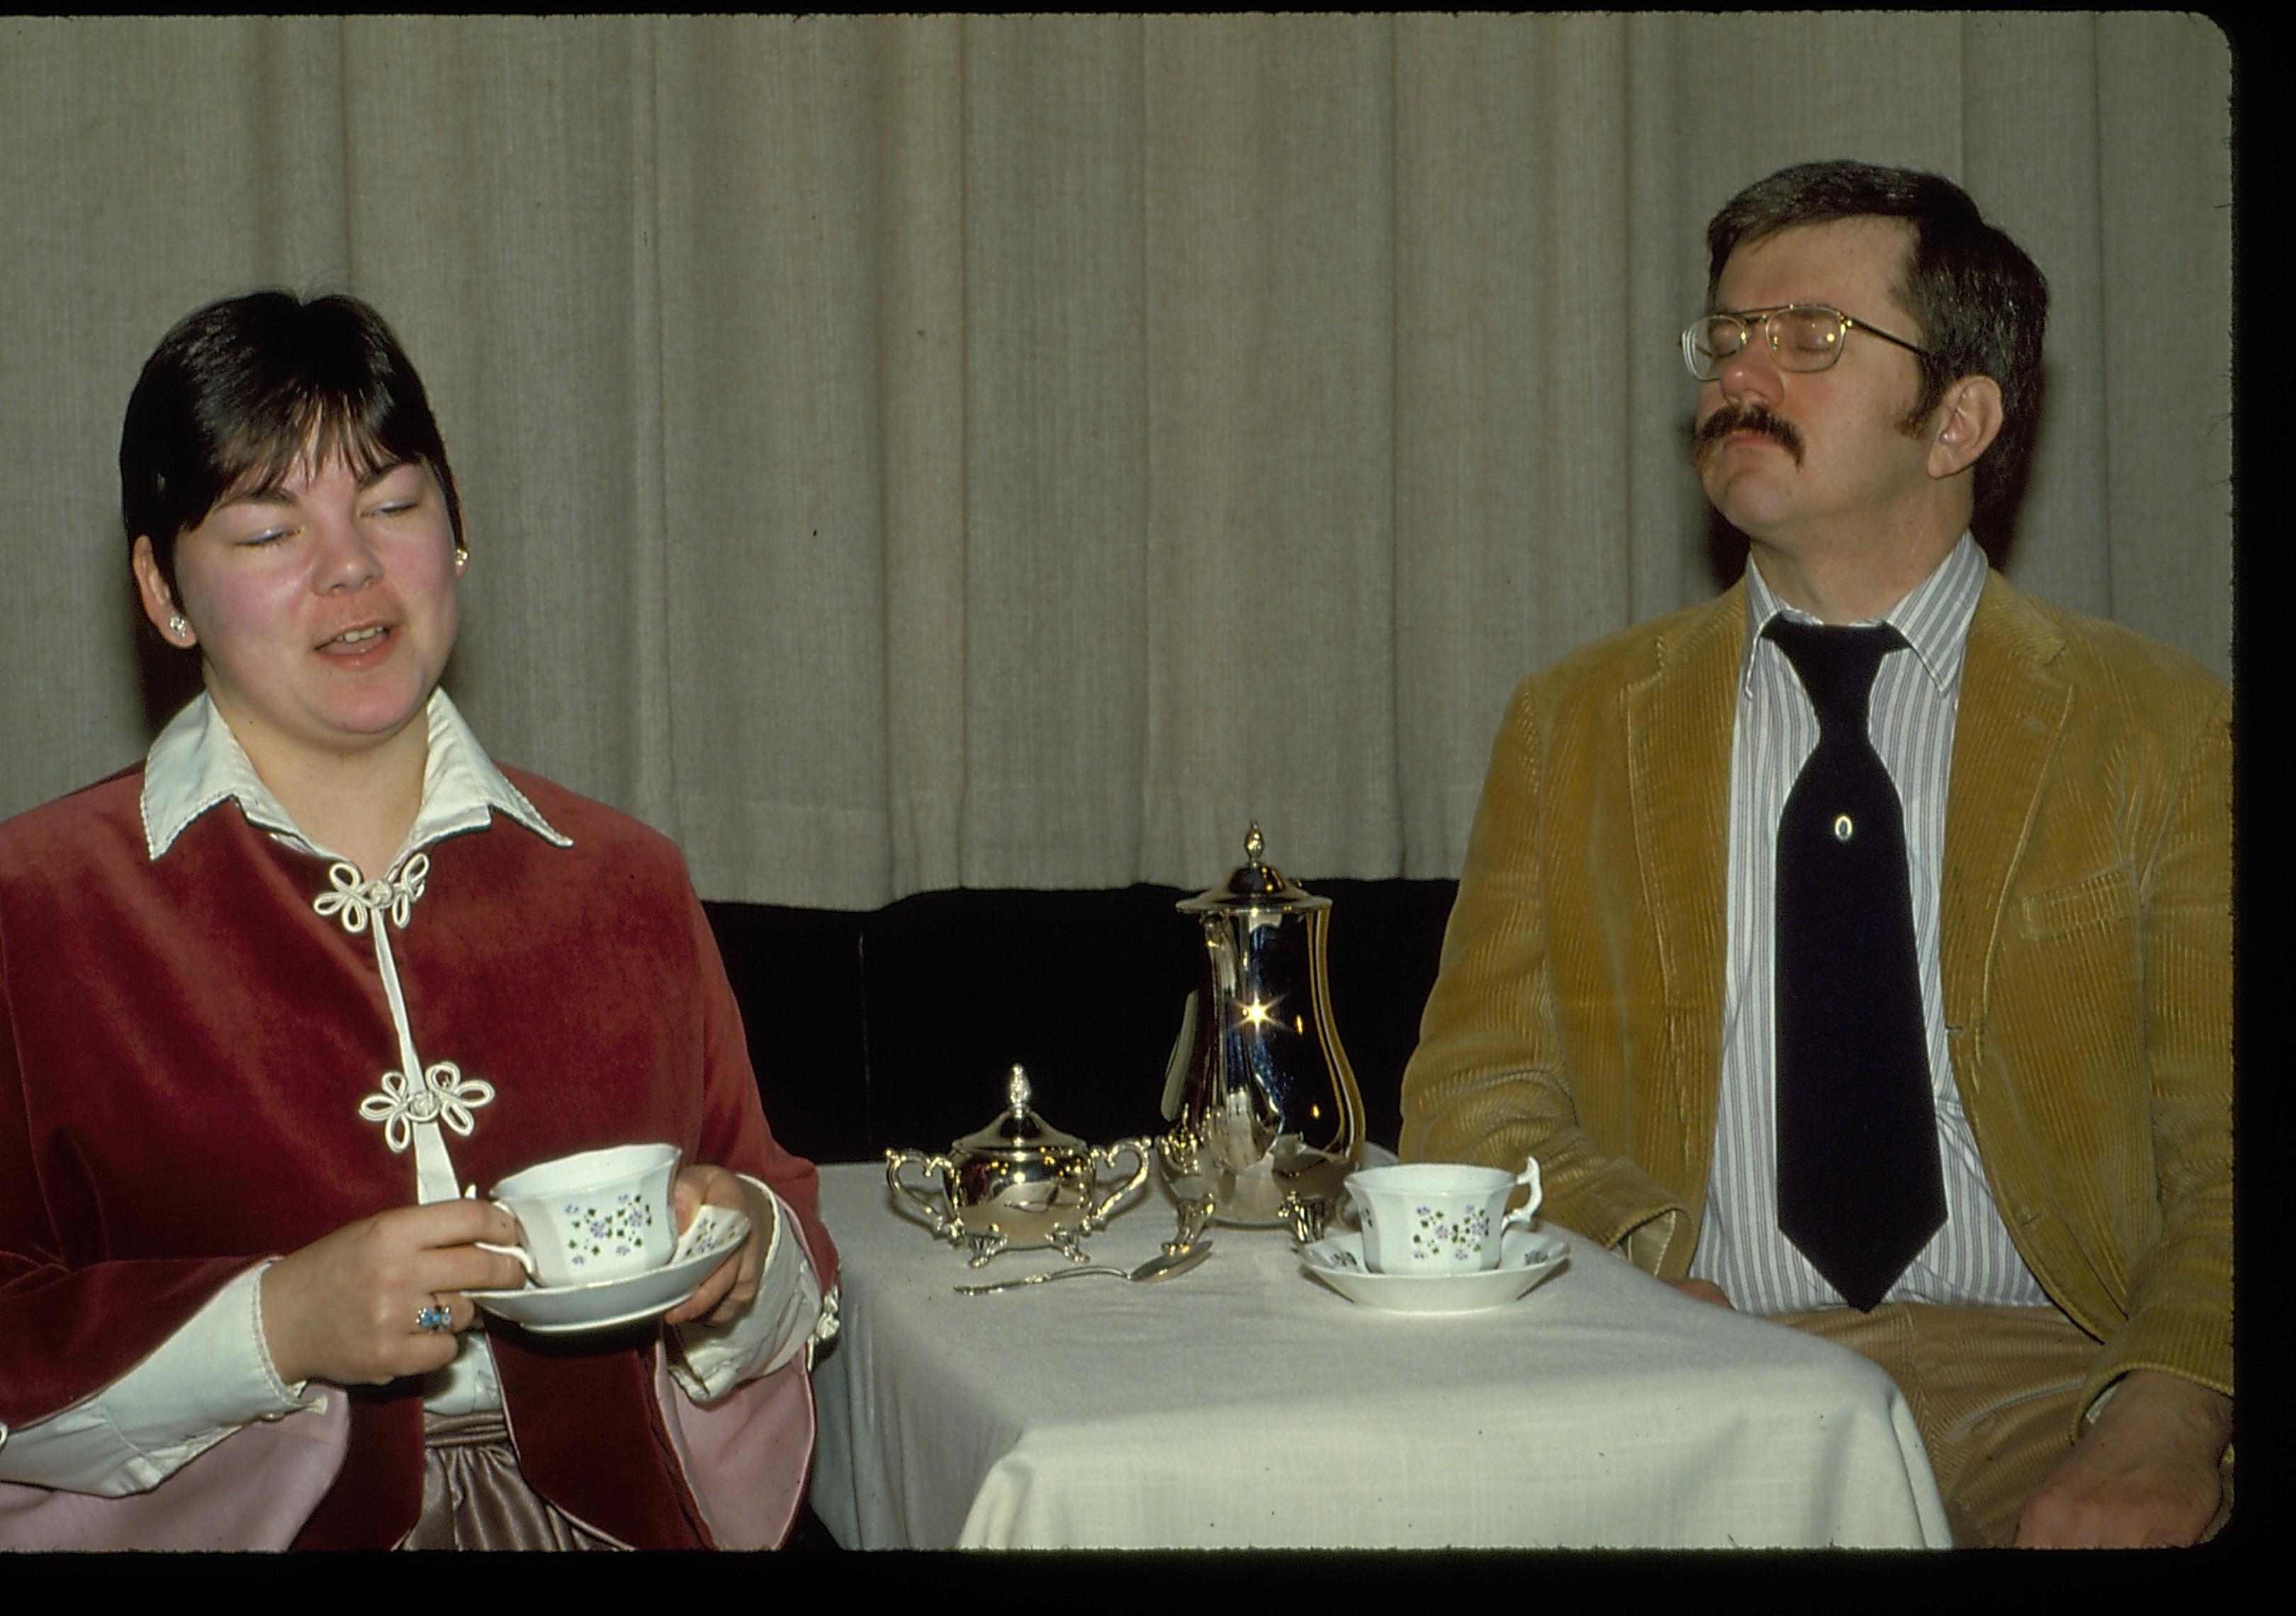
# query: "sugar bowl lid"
x,y
1253,884
1018,1132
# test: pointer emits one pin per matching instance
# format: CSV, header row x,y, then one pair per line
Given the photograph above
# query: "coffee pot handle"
x,y
933,1168
1096,1217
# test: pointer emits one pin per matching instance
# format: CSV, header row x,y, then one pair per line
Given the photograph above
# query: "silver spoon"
x,y
1164,1265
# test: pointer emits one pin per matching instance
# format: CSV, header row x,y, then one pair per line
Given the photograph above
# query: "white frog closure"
x,y
410,1108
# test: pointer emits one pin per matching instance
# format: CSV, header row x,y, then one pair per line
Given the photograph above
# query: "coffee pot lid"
x,y
1018,1130
1254,884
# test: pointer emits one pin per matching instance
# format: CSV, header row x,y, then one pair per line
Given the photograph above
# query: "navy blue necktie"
x,y
1859,1189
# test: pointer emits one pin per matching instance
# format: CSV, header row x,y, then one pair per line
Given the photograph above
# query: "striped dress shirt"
x,y
1970,1261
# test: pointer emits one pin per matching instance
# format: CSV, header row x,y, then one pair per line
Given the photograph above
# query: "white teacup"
x,y
600,1215
1438,1217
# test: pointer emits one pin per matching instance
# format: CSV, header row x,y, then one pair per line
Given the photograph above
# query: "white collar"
x,y
1933,617
197,763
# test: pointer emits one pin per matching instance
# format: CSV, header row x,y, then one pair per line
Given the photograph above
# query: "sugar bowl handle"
x,y
1096,1216
933,1168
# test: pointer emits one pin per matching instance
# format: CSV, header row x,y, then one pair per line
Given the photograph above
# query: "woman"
x,y
274,1003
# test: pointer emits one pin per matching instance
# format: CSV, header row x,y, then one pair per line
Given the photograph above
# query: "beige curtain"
x,y
905,453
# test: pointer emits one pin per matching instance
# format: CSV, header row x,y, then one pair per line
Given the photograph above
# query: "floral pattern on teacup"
x,y
621,1226
1444,1239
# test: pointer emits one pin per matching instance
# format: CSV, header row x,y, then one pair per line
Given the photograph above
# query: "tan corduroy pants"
x,y
1992,1390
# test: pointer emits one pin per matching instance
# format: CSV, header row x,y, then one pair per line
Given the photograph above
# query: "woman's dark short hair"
x,y
236,394
1983,304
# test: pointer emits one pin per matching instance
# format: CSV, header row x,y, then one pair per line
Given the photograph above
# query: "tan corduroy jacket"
x,y
2086,950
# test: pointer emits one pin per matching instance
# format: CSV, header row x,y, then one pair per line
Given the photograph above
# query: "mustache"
x,y
1752,416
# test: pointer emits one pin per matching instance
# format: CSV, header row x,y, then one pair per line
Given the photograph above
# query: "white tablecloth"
x,y
1245,1404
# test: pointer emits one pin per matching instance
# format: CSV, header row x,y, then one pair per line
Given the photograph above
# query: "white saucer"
x,y
1526,1257
601,1304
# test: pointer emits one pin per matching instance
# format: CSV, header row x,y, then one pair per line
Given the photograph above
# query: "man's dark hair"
x,y
237,393
1983,304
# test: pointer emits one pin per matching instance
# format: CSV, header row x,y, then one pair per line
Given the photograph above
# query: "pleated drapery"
x,y
912,453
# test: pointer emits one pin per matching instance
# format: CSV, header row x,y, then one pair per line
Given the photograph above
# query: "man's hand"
x,y
2143,1476
1704,1290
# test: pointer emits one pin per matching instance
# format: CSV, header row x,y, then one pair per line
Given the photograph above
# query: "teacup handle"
x,y
1096,1217
942,1223
525,1258
1523,1217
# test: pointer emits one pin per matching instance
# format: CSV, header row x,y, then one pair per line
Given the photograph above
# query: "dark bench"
x,y
895,1028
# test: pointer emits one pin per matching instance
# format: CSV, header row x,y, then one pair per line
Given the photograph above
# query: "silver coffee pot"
x,y
1263,1112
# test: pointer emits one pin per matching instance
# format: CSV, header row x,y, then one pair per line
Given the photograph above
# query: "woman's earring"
x,y
178,628
462,558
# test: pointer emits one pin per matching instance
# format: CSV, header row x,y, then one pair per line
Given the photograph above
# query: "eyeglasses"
x,y
1802,337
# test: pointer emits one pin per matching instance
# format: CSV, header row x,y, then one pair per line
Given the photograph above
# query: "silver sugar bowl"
x,y
1018,1183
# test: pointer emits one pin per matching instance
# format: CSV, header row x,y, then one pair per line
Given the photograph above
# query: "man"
x,y
1855,948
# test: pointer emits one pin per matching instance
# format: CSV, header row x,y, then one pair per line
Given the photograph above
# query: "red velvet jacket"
x,y
183,1046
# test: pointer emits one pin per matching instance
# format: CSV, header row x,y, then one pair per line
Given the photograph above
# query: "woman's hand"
x,y
733,1283
344,1309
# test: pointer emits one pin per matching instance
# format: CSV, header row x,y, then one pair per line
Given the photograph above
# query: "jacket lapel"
x,y
1678,722
2013,708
